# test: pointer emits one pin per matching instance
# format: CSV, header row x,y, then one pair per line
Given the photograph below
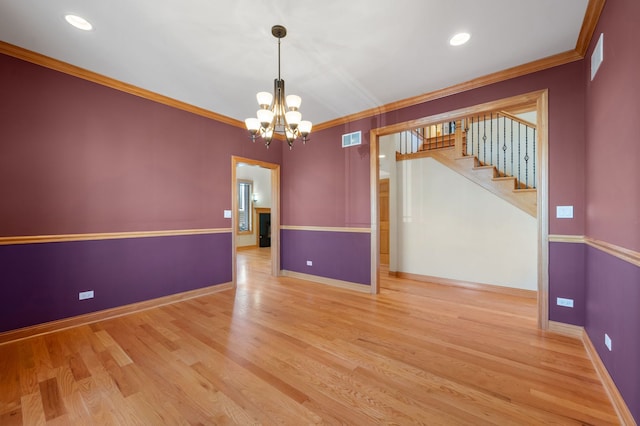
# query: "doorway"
x,y
259,206
540,100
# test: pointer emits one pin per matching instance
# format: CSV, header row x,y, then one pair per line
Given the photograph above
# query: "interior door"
x,y
384,221
264,236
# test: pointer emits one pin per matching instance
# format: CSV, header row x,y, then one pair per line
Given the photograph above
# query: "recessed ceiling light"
x,y
382,156
79,22
459,39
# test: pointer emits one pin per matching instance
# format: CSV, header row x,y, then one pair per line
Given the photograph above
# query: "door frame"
x,y
540,99
275,212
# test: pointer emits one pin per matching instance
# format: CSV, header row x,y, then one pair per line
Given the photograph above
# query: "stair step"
x,y
502,186
507,183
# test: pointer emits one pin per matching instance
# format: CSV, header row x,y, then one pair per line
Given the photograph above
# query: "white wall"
x,y
261,178
449,227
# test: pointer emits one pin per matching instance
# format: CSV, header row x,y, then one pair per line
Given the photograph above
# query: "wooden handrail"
x,y
522,167
519,120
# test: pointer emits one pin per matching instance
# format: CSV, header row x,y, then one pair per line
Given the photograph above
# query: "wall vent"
x,y
597,56
351,139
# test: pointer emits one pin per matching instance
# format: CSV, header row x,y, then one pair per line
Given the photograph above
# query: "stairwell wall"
x,y
450,227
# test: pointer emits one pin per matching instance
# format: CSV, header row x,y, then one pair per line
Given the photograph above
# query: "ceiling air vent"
x,y
351,139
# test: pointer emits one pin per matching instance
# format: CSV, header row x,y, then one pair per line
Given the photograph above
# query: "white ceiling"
x,y
341,57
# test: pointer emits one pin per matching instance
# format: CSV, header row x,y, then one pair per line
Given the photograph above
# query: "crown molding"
x,y
508,74
63,67
591,17
592,14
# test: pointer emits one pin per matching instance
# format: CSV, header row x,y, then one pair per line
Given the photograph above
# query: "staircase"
x,y
496,150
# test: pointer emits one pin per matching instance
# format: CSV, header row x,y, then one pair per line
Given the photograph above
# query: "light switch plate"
x,y
564,212
227,214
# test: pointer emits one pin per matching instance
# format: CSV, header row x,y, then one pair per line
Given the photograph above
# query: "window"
x,y
244,206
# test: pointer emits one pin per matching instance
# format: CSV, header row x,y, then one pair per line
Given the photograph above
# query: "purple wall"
x,y
613,296
329,185
84,158
326,185
41,282
613,198
567,279
341,256
77,157
613,140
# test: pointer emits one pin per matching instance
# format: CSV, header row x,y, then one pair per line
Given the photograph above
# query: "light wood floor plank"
x,y
286,351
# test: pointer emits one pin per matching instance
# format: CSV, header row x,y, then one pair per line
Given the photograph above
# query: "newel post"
x,y
458,139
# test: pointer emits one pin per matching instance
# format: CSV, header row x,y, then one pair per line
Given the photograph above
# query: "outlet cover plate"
x,y
561,301
607,341
83,295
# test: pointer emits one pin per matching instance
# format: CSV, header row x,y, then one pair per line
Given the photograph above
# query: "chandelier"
x,y
278,113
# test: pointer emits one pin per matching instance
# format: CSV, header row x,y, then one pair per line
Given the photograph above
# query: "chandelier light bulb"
x,y
304,128
265,116
293,118
294,101
264,99
268,135
253,125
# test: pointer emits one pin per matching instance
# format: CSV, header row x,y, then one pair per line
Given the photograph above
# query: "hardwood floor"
x,y
285,351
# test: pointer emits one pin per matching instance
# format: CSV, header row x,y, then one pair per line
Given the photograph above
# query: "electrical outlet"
x,y
309,263
85,295
607,341
561,301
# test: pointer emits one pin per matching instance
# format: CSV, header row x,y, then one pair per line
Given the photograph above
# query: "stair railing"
x,y
504,141
495,138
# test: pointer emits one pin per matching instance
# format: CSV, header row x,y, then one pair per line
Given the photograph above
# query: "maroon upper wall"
x,y
613,140
326,185
78,157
